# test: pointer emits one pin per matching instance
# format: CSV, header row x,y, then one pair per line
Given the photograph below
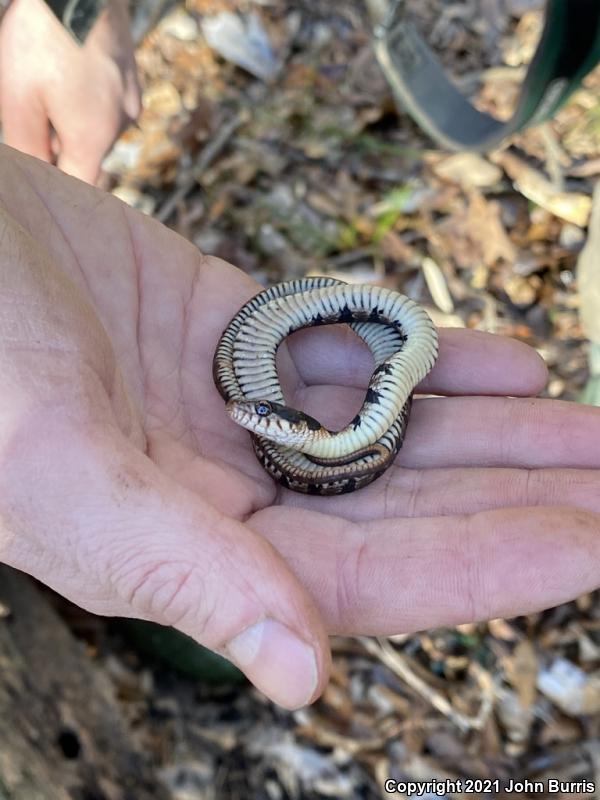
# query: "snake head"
x,y
274,421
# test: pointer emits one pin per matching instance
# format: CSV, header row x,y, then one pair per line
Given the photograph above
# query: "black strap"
x,y
568,50
77,16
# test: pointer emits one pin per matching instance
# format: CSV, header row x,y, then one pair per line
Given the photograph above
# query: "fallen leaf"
x,y
570,206
469,170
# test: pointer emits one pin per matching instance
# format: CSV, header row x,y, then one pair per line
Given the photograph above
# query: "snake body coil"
x,y
294,448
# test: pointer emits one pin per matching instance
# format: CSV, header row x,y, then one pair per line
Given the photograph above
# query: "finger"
x,y
112,533
132,97
396,576
85,135
25,123
81,154
447,492
477,431
85,166
490,432
470,362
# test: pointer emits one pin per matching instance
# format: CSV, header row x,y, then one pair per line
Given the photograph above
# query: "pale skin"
x,y
62,102
125,487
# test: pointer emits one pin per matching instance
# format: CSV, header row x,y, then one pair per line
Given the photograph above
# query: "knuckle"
x,y
351,596
168,591
470,560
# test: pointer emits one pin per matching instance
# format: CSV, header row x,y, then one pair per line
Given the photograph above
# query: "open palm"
x,y
126,488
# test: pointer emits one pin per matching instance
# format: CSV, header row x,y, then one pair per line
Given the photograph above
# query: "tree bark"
x,y
62,736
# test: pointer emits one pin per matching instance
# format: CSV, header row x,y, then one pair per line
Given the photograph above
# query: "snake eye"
x,y
263,409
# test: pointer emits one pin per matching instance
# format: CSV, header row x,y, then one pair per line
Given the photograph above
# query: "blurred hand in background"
x,y
60,101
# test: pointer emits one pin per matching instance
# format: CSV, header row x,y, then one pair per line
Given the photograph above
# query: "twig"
x,y
205,159
395,661
554,153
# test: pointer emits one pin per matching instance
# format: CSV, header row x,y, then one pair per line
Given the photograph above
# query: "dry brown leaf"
x,y
469,170
574,691
160,100
570,206
394,247
437,285
524,671
476,234
485,227
588,275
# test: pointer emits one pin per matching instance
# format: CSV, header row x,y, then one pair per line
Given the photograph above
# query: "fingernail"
x,y
277,661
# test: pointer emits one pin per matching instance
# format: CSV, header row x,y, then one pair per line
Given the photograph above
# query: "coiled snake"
x,y
294,448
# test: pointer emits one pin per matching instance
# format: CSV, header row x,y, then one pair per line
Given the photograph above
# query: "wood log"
x,y
62,735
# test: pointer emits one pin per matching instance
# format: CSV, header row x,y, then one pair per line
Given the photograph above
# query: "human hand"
x,y
61,100
124,486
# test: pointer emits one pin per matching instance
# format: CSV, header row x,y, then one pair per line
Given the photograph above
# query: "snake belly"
x,y
404,345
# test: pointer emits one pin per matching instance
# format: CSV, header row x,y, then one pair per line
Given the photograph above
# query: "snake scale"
x,y
294,448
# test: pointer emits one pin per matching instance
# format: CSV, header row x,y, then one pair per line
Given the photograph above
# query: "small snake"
x,y
295,449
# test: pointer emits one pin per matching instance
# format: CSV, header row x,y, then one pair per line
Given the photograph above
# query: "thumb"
x,y
103,526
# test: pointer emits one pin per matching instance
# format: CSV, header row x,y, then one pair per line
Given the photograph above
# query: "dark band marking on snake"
x,y
294,448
